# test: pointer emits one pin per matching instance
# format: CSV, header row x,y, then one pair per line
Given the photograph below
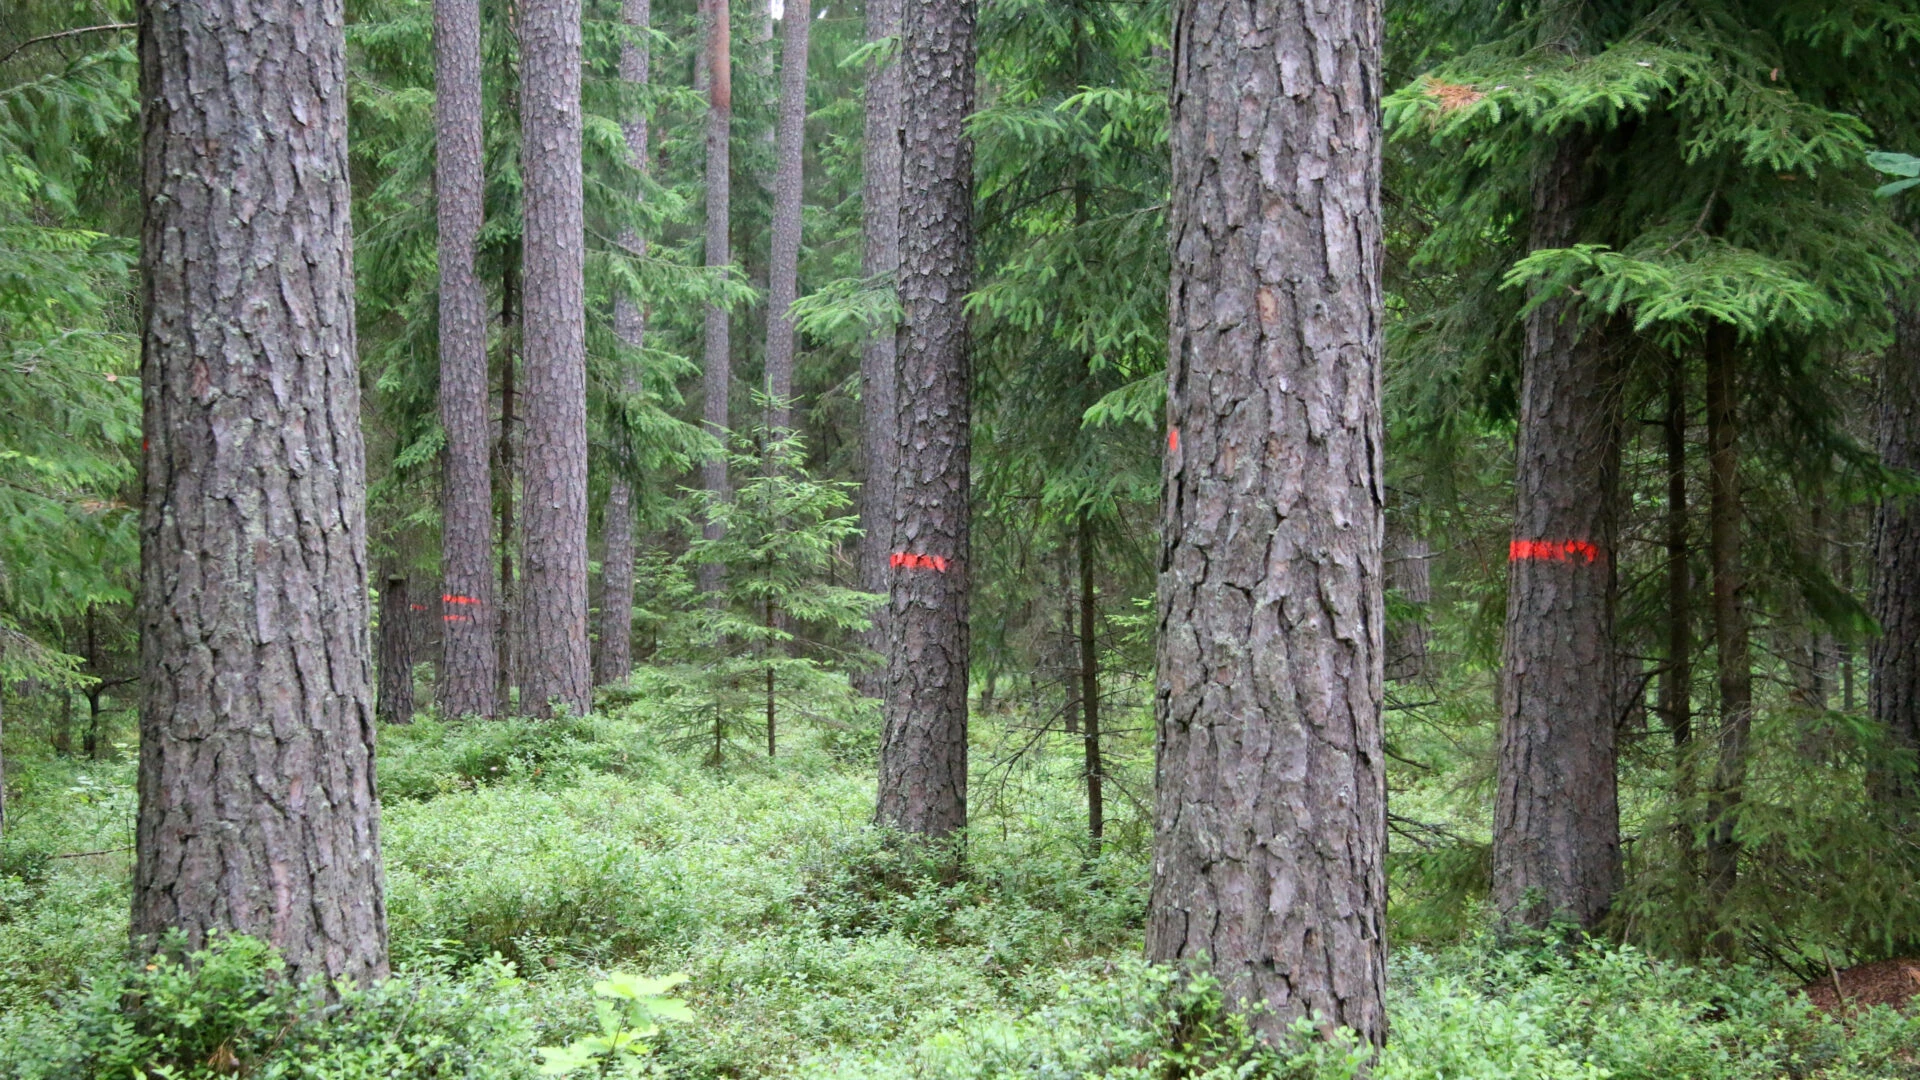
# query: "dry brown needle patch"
x,y
1452,97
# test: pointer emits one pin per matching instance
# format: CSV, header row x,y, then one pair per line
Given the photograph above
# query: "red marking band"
x,y
910,561
452,599
1553,550
418,607
456,618
1173,440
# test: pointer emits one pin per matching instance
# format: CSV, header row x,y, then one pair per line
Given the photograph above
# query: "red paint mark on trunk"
x,y
1173,440
909,561
452,599
418,607
456,618
1553,551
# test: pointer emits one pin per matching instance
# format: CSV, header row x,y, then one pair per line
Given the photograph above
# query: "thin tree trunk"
x,y
1067,650
509,627
1729,626
1090,690
630,326
880,258
783,280
1556,840
1893,659
1676,683
3,733
395,703
468,672
770,699
923,751
555,668
1270,786
257,809
718,359
1410,576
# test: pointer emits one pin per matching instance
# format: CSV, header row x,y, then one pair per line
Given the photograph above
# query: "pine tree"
x,y
718,365
470,666
1270,792
615,658
257,809
395,700
1895,655
554,550
880,258
783,274
923,751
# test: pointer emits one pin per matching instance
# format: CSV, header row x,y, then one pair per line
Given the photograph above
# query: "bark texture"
x,y
1269,814
395,703
615,659
1676,683
469,669
1730,630
718,371
880,227
257,809
1409,574
1894,657
555,666
783,276
509,621
1090,691
923,750
1556,841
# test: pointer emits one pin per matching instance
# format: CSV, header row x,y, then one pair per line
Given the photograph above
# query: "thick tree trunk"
x,y
1676,682
1090,691
395,703
555,666
1556,840
257,808
880,227
718,377
1409,574
615,660
509,623
923,752
1894,657
1729,624
1270,786
783,277
469,671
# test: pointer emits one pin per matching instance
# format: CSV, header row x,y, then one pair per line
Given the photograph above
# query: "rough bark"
x,y
718,360
257,810
783,276
923,751
615,659
555,667
1093,767
508,631
395,702
1269,814
880,228
1556,840
1409,574
1730,630
1894,657
469,667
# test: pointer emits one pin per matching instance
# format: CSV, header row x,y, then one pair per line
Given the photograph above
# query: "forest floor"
x,y
578,848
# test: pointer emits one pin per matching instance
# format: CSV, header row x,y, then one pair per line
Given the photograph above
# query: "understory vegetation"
x,y
527,861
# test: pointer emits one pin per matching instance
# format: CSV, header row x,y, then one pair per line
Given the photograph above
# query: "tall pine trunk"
x,y
783,277
1556,840
257,810
880,258
469,667
923,751
508,632
1730,631
395,702
1409,574
718,375
1270,786
630,326
1676,681
553,551
1894,657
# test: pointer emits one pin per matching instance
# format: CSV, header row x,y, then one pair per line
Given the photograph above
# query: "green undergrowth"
x,y
527,861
